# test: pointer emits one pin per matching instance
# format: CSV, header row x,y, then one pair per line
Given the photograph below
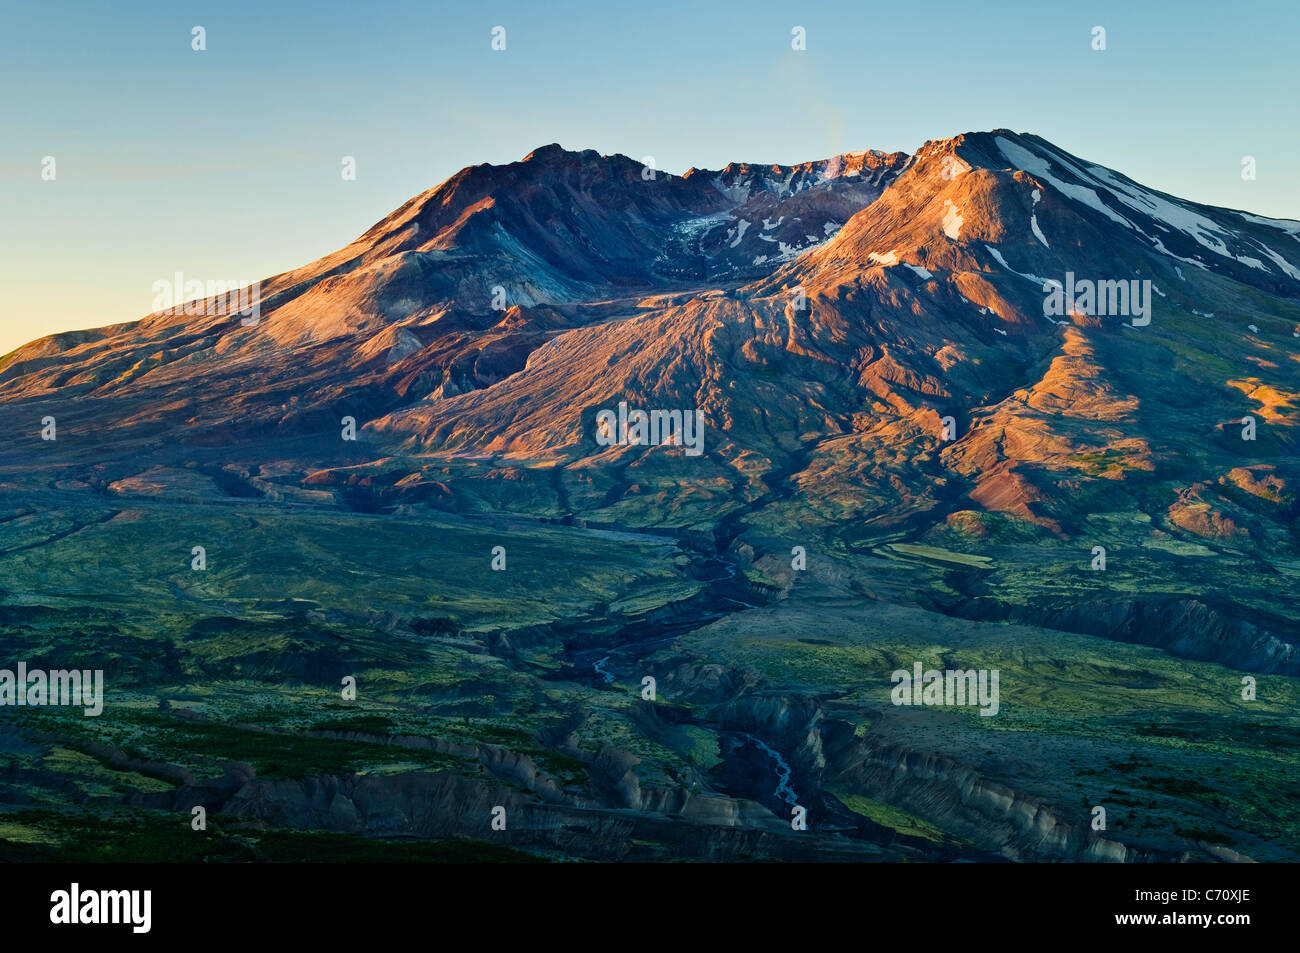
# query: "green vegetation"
x,y
891,817
151,837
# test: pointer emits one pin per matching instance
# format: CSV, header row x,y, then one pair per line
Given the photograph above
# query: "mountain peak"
x,y
555,154
547,153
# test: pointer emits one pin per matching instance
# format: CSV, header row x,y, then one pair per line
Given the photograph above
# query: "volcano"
x,y
869,338
989,387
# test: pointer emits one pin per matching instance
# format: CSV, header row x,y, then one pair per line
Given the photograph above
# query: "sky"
x,y
226,163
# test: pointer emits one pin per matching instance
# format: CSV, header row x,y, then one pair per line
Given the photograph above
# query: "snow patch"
x,y
952,220
1160,247
1022,158
738,193
1038,232
1205,231
1287,268
1282,224
1034,278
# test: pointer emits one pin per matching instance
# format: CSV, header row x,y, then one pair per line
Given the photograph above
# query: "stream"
x,y
784,790
599,659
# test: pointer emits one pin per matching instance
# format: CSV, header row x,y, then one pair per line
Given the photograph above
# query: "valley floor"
x,y
604,696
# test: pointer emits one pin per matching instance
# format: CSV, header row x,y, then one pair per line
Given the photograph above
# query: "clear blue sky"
x,y
226,163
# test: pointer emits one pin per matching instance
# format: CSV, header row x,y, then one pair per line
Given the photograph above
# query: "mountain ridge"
x,y
926,303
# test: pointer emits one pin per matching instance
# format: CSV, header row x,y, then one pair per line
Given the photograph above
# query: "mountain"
x,y
890,292
951,379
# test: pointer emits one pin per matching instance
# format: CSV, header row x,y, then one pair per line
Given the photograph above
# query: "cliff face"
x,y
1187,628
